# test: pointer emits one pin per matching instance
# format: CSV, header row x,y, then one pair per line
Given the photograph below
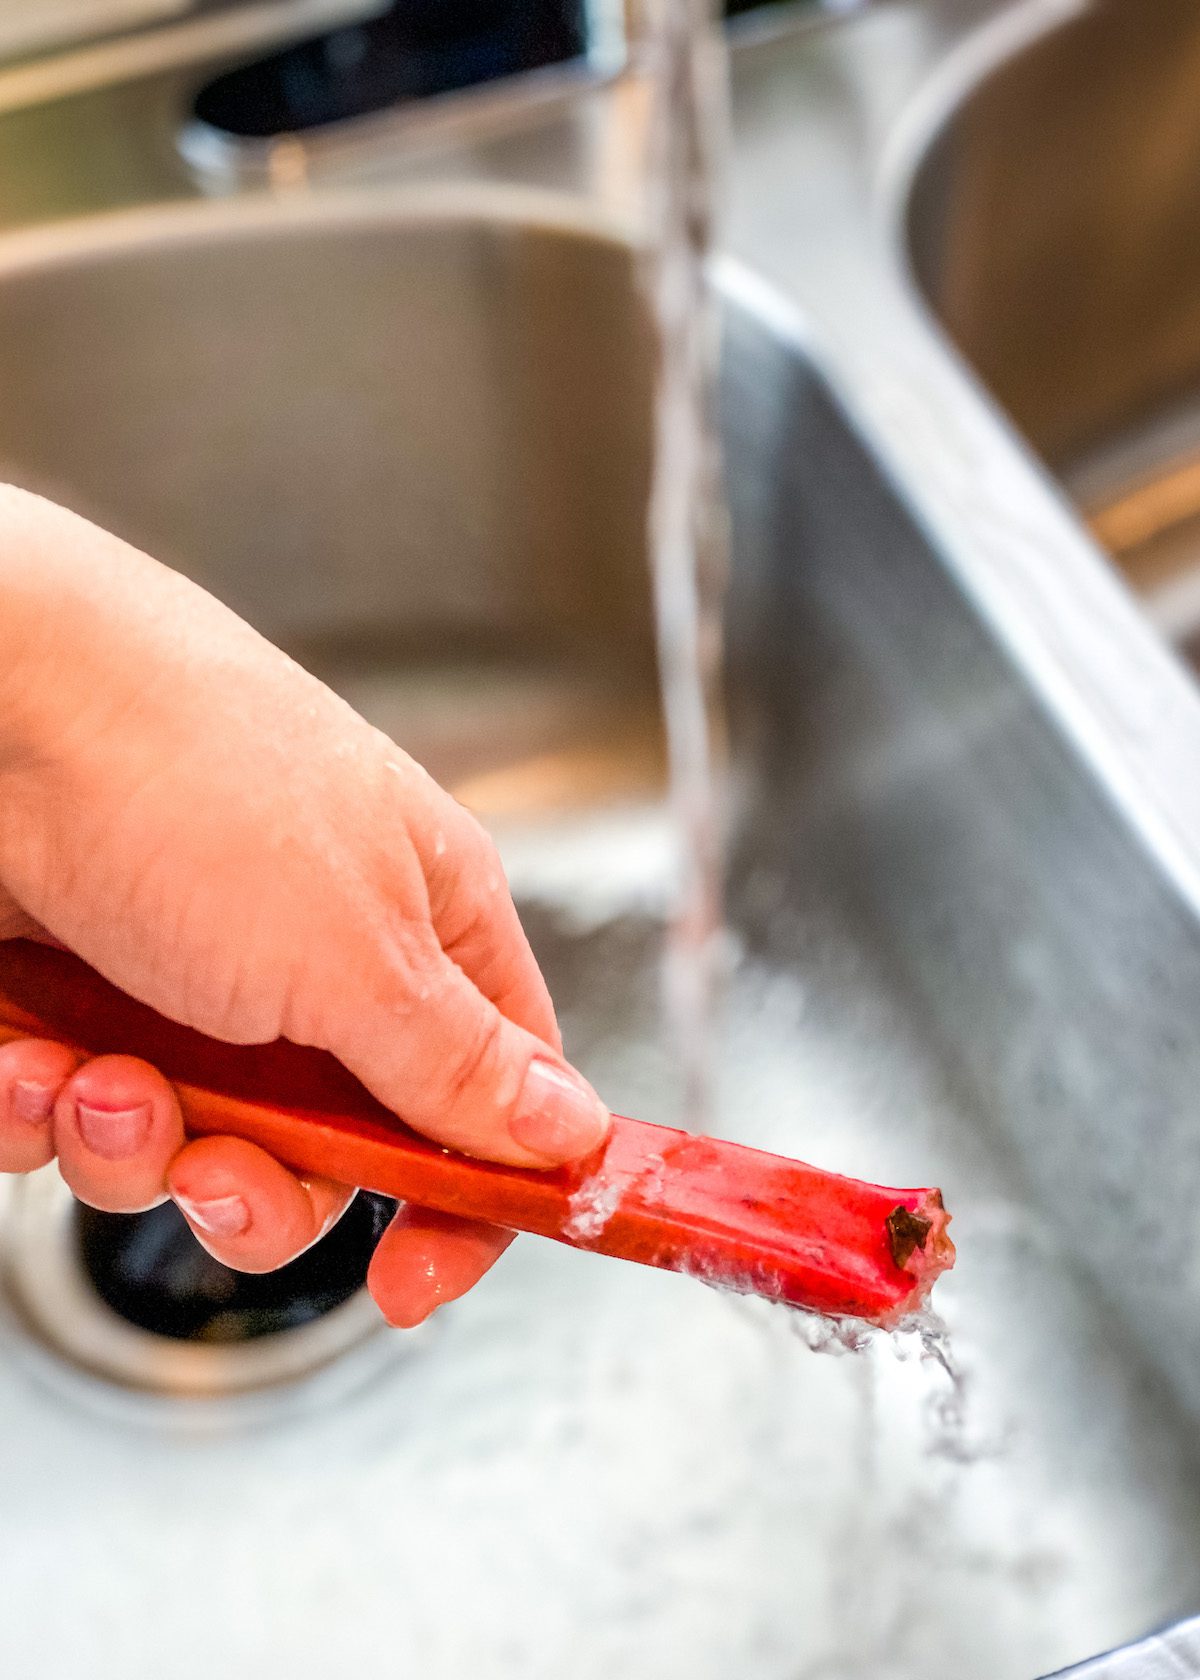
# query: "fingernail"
x,y
558,1114
220,1216
31,1102
114,1133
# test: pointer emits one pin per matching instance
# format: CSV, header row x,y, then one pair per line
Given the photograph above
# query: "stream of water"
x,y
688,542
685,60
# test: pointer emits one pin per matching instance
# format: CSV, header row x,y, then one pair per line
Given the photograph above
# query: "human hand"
x,y
224,839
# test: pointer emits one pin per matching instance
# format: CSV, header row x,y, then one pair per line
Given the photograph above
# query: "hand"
x,y
223,838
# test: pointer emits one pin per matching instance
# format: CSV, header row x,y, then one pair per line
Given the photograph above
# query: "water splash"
x,y
593,1205
830,1335
950,1428
947,1414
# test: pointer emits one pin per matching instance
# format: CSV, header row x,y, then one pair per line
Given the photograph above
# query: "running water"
x,y
946,1417
688,531
687,525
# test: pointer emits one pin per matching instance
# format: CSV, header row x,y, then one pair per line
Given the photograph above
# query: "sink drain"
x,y
149,1268
130,1308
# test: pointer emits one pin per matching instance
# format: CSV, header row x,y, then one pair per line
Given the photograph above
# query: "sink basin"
x,y
1054,230
408,438
485,577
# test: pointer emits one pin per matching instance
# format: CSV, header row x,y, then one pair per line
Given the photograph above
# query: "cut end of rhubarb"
x,y
754,1223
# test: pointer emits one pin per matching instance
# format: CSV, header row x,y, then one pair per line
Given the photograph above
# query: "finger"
x,y
473,912
14,923
32,1073
438,1053
425,1259
117,1126
246,1209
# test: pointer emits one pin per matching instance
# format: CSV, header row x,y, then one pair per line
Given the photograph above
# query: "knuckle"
x,y
465,933
466,1070
485,858
407,979
474,909
414,946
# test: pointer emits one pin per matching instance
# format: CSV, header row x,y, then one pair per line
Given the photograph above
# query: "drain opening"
x,y
130,1310
149,1268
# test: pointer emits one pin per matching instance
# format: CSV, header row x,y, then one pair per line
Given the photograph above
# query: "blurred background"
x,y
368,54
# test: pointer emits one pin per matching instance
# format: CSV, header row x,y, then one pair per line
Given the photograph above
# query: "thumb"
x,y
443,1058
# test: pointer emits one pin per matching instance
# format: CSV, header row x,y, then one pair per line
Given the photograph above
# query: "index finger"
x,y
472,909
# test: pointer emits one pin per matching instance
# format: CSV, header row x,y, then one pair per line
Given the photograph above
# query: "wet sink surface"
x,y
588,1468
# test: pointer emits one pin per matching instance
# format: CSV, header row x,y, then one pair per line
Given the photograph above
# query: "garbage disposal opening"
x,y
152,1272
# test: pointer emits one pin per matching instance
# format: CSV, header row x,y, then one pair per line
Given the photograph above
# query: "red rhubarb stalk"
x,y
734,1217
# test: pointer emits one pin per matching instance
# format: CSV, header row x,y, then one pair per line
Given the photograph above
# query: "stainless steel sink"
x,y
445,518
395,410
1054,228
392,438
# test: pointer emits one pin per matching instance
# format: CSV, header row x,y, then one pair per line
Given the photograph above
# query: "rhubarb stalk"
x,y
734,1217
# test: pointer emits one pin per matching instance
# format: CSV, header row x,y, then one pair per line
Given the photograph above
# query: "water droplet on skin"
x,y
439,844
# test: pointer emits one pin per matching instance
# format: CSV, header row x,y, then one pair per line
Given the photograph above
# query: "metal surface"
x,y
1054,221
1174,1655
1055,232
402,424
74,1341
1037,876
632,1439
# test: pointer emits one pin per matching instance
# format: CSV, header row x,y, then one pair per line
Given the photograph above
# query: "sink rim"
x,y
81,239
1008,535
